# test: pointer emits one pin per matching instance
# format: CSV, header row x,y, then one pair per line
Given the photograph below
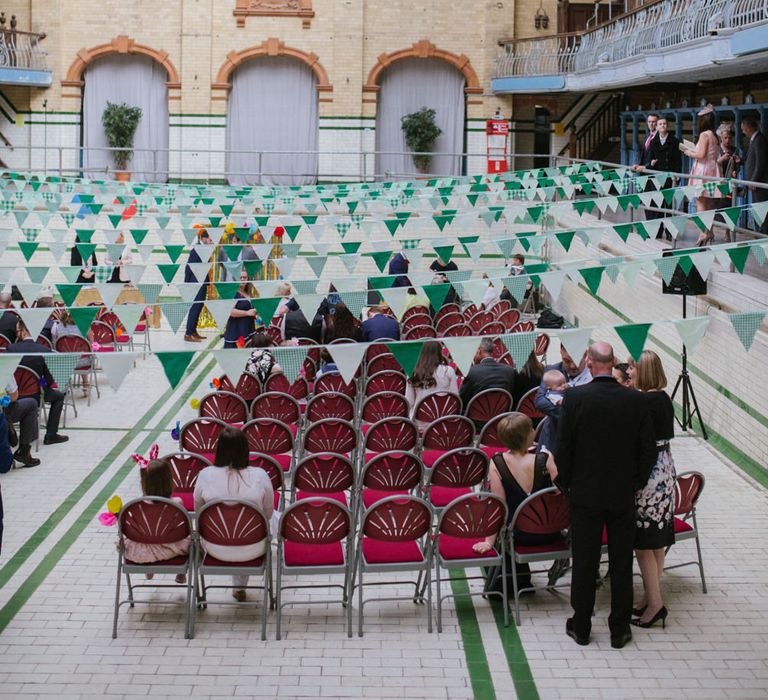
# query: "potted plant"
x,y
421,132
120,123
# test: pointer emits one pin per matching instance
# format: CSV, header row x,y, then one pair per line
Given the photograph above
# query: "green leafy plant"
x,y
120,123
421,132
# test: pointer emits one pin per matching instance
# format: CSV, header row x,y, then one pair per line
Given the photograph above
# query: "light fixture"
x,y
541,18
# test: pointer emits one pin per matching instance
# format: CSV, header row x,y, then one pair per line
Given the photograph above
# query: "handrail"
x,y
21,50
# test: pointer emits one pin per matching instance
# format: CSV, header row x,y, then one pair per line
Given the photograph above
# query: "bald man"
x,y
605,453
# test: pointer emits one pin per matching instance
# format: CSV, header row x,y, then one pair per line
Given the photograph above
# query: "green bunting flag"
x,y
265,308
634,336
28,249
83,317
407,354
592,277
739,257
381,259
168,271
175,364
68,293
436,294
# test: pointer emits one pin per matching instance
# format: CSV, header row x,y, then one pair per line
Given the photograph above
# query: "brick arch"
x,y
270,47
425,49
119,45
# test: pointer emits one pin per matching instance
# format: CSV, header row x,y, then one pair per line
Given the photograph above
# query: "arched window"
x,y
273,123
138,81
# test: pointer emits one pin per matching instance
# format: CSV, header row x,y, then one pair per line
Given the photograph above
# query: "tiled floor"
x,y
57,586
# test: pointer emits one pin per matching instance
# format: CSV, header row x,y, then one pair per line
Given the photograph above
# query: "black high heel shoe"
x,y
661,615
637,612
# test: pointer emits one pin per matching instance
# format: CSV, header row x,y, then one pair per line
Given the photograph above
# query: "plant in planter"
x,y
120,123
421,132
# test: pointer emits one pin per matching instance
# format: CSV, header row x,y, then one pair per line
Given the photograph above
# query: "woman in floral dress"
x,y
655,502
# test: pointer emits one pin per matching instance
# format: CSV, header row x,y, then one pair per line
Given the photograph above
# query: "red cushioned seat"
x,y
212,561
106,348
490,450
429,457
558,546
123,339
461,548
378,552
681,526
175,561
339,496
313,554
187,498
371,496
605,536
441,496
140,328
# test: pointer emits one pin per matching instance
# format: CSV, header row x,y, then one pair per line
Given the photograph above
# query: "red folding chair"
x,y
523,327
383,361
185,466
325,474
489,438
543,513
541,346
509,318
330,404
104,337
394,536
299,390
500,307
78,344
330,435
335,382
448,320
470,311
274,472
527,405
688,488
248,387
456,473
376,349
200,436
122,336
154,521
480,319
387,474
458,330
463,523
225,406
446,309
28,383
436,405
415,311
488,404
396,433
275,333
234,523
278,406
499,349
386,404
492,328
387,380
415,320
419,332
315,538
270,437
506,359
445,434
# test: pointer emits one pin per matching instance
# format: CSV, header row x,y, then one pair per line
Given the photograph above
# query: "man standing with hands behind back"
x,y
606,451
756,163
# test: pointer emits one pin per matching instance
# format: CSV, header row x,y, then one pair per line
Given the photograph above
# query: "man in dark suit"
x,y
6,462
34,361
398,265
191,335
379,325
756,162
486,373
666,157
606,452
7,320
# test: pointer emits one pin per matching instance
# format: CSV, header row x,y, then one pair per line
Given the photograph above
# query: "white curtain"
x,y
273,107
139,82
406,87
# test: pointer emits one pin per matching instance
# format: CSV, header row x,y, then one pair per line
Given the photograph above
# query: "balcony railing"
x,y
22,50
649,29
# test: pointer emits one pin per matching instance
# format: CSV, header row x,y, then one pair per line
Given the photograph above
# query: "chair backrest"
x,y
28,381
457,330
542,345
44,340
397,519
103,334
269,465
420,332
415,311
501,306
248,386
464,467
315,521
545,512
269,436
330,435
437,405
279,382
509,318
200,435
523,327
473,516
469,311
386,404
480,319
688,488
330,404
388,380
410,319
506,359
335,382
499,349
446,309
376,349
492,328
72,343
388,434
185,466
225,406
383,361
448,433
489,436
113,321
526,405
448,320
274,404
323,473
392,471
153,520
488,404
231,522
275,333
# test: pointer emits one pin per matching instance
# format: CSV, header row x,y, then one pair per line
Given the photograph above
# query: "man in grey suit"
x,y
756,162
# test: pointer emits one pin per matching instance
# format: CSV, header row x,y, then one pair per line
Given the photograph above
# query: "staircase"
x,y
595,133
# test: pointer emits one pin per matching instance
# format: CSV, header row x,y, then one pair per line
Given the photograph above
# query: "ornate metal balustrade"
x,y
21,50
654,27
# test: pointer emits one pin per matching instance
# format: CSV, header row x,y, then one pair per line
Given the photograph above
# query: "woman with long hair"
x,y
341,324
242,319
705,157
527,377
431,374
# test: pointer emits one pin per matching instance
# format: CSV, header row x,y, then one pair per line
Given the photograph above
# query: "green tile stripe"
x,y
525,686
44,568
27,549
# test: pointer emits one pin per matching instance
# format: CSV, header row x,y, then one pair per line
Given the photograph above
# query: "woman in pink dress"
x,y
705,157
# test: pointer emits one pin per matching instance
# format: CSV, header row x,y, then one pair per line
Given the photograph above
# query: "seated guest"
x,y
341,325
486,373
25,345
621,374
261,363
328,305
398,265
296,325
491,296
412,299
527,378
242,318
46,302
379,325
25,413
7,320
450,298
514,475
231,477
438,265
327,364
431,374
518,265
64,326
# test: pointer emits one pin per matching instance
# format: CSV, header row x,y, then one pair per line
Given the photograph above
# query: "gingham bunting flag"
x,y
520,346
291,359
355,301
61,365
8,364
175,313
746,325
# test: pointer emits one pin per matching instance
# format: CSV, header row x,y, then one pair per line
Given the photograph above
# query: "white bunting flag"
x,y
462,350
116,366
691,331
347,357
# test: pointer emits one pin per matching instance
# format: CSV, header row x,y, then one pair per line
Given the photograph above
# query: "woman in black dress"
x,y
655,502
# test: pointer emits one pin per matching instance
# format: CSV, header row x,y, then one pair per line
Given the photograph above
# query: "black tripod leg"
x,y
696,409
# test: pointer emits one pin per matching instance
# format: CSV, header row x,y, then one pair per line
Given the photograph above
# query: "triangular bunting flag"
x,y
175,313
232,361
436,294
746,325
691,331
68,293
8,364
116,366
109,292
291,360
62,365
592,277
34,320
634,336
83,317
347,357
175,364
220,310
407,354
520,346
462,350
575,341
168,271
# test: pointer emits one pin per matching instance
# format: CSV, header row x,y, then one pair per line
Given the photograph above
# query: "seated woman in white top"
x,y
233,478
431,374
491,296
